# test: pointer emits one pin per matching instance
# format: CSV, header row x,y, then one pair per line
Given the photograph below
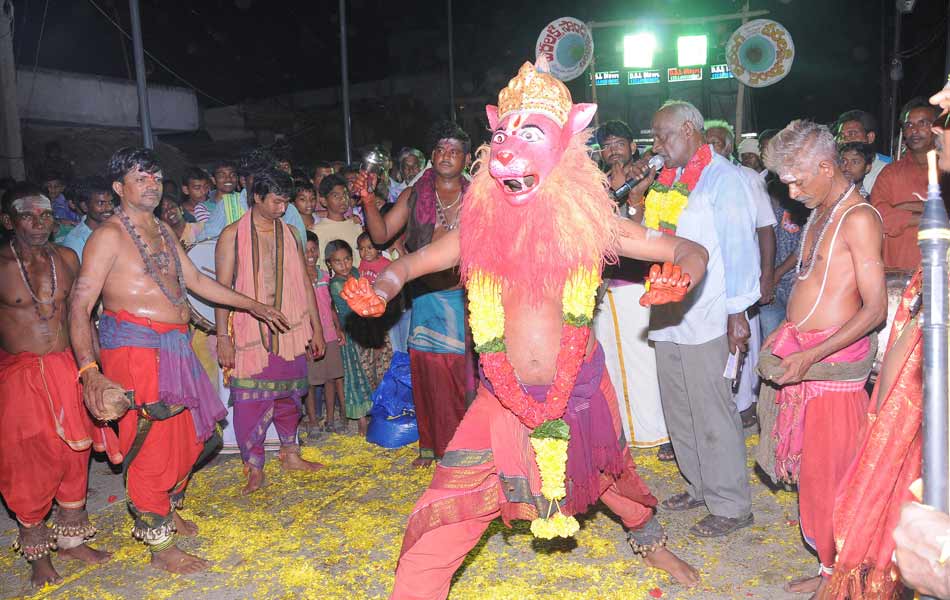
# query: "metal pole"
x,y
344,67
934,241
896,73
11,141
946,63
451,66
740,92
138,51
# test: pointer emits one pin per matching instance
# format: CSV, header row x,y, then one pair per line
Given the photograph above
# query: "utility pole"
x,y
11,142
451,65
138,50
345,86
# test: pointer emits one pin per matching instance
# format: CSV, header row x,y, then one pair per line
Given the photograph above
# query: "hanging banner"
x,y
678,74
643,77
568,46
607,78
720,72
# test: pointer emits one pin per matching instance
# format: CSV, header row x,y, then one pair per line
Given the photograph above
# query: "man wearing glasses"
x,y
901,186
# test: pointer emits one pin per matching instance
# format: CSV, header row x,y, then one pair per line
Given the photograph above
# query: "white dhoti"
x,y
621,327
749,383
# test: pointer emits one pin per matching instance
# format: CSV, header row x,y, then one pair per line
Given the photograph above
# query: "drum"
x,y
202,311
202,317
895,281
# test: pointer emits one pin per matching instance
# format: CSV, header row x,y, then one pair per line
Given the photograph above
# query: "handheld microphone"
x,y
620,194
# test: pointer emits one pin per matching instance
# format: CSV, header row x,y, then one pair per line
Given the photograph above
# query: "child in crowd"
x,y
305,200
856,160
66,215
336,225
328,370
321,170
376,346
225,178
372,262
357,393
195,186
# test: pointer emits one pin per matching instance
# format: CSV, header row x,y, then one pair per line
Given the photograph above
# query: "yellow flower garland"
x,y
487,320
662,208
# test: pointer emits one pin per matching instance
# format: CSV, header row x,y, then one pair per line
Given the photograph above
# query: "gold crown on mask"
x,y
535,90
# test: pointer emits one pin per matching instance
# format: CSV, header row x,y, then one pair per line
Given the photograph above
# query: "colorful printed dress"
x,y
357,393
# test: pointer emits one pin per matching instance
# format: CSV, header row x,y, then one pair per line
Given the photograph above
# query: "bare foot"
x,y
176,560
663,559
422,463
255,479
805,585
183,526
43,572
84,553
292,461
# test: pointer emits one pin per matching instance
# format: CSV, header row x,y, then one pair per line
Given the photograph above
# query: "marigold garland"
x,y
667,199
550,435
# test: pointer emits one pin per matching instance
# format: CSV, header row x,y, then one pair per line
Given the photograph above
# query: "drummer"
x,y
839,297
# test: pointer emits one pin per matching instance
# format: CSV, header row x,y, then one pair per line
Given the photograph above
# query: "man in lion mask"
x,y
542,440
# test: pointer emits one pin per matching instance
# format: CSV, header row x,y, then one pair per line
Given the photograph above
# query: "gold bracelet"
x,y
86,367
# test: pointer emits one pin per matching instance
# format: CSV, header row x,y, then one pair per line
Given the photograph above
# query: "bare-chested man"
x,y
45,430
838,299
439,353
260,254
141,271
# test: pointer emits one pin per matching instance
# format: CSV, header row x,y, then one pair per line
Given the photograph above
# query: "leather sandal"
x,y
712,526
681,501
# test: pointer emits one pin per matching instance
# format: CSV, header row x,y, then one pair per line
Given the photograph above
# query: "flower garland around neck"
x,y
666,199
550,433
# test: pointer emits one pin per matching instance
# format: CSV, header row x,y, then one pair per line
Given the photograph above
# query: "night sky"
x,y
234,50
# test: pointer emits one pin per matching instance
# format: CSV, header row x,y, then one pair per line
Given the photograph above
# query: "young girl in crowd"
x,y
357,393
372,262
328,370
372,334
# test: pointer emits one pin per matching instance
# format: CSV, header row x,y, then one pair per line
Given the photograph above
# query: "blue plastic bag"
x,y
393,423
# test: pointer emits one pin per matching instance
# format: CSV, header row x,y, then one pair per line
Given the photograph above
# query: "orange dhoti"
x,y
164,451
489,471
47,436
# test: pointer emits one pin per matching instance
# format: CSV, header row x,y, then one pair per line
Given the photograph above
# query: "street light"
x,y
691,50
638,50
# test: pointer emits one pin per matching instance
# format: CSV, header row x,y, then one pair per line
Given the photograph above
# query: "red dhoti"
x,y
489,471
819,430
157,477
47,434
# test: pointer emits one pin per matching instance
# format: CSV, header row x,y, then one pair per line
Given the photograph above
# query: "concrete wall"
x,y
77,99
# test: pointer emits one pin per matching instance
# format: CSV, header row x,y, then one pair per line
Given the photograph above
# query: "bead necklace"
x,y
157,261
810,266
26,280
441,210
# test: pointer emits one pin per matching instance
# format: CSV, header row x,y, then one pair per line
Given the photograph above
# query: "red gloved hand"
x,y
364,185
361,297
667,284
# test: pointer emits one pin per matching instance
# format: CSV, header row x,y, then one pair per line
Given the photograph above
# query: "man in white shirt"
x,y
721,136
693,340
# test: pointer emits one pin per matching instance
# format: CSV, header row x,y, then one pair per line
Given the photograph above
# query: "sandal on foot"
x,y
749,417
712,526
665,453
681,501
